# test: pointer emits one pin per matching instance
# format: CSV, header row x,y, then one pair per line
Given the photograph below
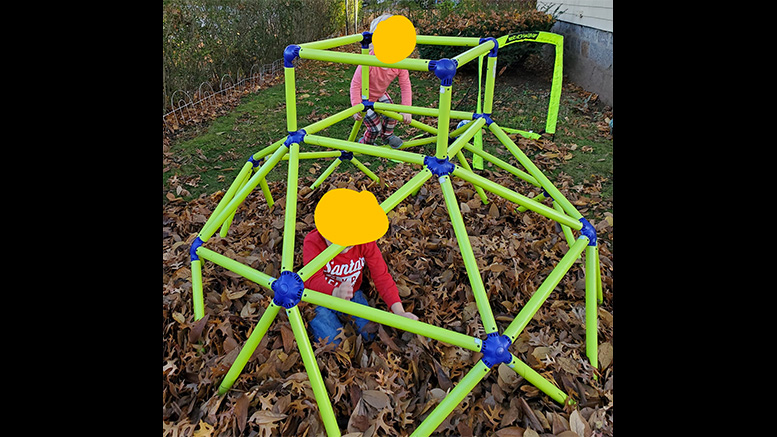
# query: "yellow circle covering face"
x,y
347,217
394,39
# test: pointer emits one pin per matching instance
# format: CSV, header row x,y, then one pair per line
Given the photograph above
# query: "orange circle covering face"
x,y
394,39
347,217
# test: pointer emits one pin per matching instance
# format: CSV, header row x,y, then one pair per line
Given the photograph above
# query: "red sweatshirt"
x,y
349,266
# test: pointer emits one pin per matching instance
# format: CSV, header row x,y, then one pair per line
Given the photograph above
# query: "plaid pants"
x,y
378,125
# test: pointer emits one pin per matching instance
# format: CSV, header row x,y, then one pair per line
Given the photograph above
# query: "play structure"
x,y
288,287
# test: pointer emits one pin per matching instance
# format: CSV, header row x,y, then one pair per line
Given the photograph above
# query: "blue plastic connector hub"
x,y
589,231
297,136
484,115
547,195
255,162
193,250
495,350
445,69
492,53
288,289
366,39
289,54
439,167
345,155
368,105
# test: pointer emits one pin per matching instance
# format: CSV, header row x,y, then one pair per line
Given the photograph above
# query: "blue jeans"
x,y
326,323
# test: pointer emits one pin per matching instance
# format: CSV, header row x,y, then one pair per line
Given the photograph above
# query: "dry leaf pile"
x,y
386,387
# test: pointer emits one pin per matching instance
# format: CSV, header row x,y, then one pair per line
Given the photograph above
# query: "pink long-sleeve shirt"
x,y
380,79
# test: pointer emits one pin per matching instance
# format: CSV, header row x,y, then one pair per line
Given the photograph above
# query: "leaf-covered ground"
x,y
386,387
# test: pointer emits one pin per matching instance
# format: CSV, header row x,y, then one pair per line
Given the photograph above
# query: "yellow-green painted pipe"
x,y
291,99
534,171
364,168
367,149
391,319
419,110
227,197
591,319
488,97
548,285
452,400
473,53
443,120
241,269
503,165
447,40
537,380
249,347
514,197
359,59
463,162
468,256
290,218
320,180
333,119
314,373
197,298
333,42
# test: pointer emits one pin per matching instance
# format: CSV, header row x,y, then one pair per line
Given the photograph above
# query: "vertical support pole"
x,y
591,322
555,88
197,298
314,373
452,400
477,160
291,99
365,75
475,280
290,222
249,347
488,99
443,122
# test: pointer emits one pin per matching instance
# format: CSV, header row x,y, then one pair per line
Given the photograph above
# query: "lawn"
x,y
206,158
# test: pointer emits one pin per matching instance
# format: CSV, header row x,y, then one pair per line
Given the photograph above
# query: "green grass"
x,y
207,158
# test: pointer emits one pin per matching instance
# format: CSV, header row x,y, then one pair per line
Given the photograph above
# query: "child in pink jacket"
x,y
380,79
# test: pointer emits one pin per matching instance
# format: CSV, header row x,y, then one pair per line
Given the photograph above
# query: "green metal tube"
x,y
473,128
537,380
333,119
413,123
542,293
515,171
447,40
241,269
197,298
488,98
319,261
477,160
419,142
419,110
555,87
391,319
452,400
320,180
233,188
210,226
364,168
565,229
228,222
534,171
591,319
516,198
291,99
249,347
471,264
333,42
266,192
405,190
365,77
599,294
358,59
315,155
290,218
523,133
443,120
473,53
463,162
409,157
269,150
355,130
314,373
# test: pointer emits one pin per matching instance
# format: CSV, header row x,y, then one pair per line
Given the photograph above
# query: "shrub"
x,y
491,23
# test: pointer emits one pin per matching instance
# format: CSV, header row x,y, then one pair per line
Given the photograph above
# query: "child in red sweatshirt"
x,y
342,277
